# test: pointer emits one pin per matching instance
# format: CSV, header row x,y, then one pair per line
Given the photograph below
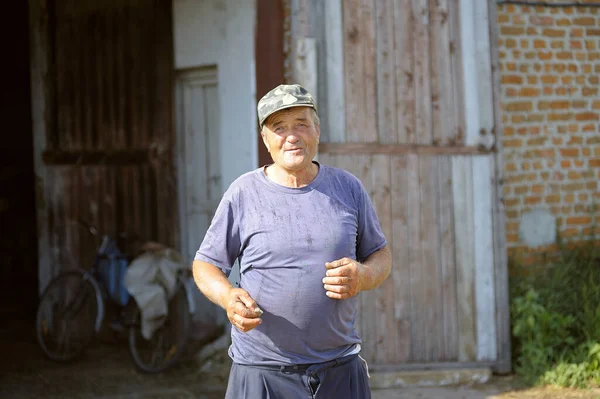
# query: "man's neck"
x,y
292,178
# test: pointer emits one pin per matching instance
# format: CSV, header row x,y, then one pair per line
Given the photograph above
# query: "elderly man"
x,y
308,241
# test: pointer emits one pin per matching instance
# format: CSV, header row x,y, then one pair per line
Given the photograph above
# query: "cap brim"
x,y
262,122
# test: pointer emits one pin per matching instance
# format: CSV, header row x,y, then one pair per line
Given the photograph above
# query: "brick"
x,y
557,44
553,32
563,22
592,56
531,30
573,128
592,185
565,163
576,44
508,131
541,20
592,32
548,91
579,104
589,91
529,92
557,140
532,79
552,199
584,21
586,152
511,92
549,79
580,80
530,55
503,18
524,43
545,153
587,68
512,30
575,140
573,187
579,163
566,80
518,20
569,198
579,220
569,152
560,105
519,106
545,55
582,56
537,141
568,233
588,128
512,238
560,117
510,167
577,32
543,105
587,116
537,188
574,175
593,80
590,44
592,140
532,200
594,163
511,43
521,190
513,143
535,117
512,79
526,166
583,197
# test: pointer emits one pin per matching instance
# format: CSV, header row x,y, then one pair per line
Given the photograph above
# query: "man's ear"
x,y
264,138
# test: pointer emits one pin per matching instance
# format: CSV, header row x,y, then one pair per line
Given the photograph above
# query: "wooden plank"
x,y
447,260
484,259
455,61
430,262
468,45
441,74
397,149
400,243
334,44
462,195
368,299
384,305
415,261
486,136
405,87
369,96
306,65
41,120
386,77
354,62
422,72
499,228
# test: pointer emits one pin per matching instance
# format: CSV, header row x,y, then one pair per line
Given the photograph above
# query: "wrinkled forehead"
x,y
289,115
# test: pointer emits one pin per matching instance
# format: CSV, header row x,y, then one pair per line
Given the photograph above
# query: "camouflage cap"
x,y
281,97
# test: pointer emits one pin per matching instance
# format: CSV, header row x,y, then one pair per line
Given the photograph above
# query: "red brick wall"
x,y
550,81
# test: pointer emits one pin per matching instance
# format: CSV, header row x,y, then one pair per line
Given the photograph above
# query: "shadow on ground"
x,y
105,371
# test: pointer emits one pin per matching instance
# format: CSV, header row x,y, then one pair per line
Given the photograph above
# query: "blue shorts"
x,y
345,378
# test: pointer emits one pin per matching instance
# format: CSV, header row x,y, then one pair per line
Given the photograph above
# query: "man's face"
x,y
291,137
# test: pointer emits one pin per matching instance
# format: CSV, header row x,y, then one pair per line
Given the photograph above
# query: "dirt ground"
x,y
106,372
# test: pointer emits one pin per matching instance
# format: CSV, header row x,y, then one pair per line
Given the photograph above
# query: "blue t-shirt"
x,y
282,237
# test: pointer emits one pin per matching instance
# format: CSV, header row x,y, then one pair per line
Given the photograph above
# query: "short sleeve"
x,y
369,238
221,244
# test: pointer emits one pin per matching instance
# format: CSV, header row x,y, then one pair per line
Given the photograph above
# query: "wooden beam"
x,y
398,149
498,213
269,56
41,122
334,105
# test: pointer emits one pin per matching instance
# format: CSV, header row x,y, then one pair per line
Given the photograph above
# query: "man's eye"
x,y
278,130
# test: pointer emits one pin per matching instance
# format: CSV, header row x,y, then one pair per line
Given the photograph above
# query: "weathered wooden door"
x,y
103,127
405,90
199,148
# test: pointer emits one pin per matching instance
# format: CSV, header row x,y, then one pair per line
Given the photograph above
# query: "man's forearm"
x,y
375,269
212,282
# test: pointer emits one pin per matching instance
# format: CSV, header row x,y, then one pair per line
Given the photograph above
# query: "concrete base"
x,y
429,378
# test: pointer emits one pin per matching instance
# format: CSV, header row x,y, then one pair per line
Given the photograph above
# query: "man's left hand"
x,y
343,278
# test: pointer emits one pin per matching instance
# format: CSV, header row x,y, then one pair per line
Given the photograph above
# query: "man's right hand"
x,y
242,310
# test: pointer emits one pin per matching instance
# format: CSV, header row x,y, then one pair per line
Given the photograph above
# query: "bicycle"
x,y
72,308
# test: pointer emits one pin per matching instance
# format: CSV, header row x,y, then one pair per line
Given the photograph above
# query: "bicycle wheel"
x,y
166,345
69,314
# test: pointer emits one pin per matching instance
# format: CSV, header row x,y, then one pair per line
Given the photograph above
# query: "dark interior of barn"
x,y
18,243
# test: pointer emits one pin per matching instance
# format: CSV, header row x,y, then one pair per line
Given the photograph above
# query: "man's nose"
x,y
292,138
